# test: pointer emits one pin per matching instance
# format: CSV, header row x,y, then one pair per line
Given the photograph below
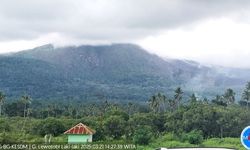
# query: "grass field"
x,y
168,141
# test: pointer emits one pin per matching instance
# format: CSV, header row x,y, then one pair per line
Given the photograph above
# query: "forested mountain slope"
x,y
116,72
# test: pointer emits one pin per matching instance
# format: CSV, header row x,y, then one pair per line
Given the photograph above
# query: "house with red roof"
x,y
80,133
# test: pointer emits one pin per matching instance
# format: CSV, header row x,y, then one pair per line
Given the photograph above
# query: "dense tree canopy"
x,y
192,119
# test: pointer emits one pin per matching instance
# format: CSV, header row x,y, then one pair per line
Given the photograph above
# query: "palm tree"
x,y
246,94
25,99
229,96
163,100
153,103
29,111
92,108
205,101
171,104
2,98
105,106
178,96
130,107
193,99
219,100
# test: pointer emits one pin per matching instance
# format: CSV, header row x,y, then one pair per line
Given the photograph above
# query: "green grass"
x,y
170,141
225,142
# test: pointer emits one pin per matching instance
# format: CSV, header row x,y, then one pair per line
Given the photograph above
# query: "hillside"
x,y
116,72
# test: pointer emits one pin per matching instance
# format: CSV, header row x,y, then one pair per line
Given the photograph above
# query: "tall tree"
x,y
178,96
219,100
229,96
26,100
163,101
154,103
2,98
246,94
171,104
105,106
158,102
130,108
205,101
193,99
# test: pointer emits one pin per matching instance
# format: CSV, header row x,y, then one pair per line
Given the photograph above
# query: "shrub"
x,y
6,138
195,137
49,126
100,134
115,126
142,135
4,127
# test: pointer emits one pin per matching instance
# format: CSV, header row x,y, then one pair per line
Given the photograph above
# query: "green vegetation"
x,y
142,135
163,122
119,72
171,141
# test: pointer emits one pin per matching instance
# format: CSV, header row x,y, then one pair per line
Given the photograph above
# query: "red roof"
x,y
80,129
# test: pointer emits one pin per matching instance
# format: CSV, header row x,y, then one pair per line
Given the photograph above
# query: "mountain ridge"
x,y
116,71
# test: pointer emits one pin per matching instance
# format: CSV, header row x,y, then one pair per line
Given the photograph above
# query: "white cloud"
x,y
214,41
57,39
209,31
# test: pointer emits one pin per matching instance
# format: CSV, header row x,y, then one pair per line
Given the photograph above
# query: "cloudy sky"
x,y
208,31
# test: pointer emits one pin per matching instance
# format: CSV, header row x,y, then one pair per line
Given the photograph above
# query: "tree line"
x,y
192,118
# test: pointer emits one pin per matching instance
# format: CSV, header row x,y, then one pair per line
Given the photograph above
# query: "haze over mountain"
x,y
115,72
